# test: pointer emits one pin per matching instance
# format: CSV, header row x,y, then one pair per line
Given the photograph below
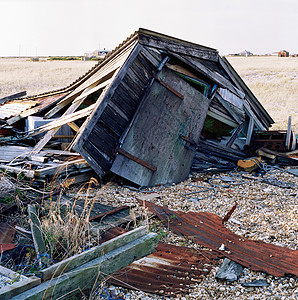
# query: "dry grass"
x,y
274,81
21,74
66,231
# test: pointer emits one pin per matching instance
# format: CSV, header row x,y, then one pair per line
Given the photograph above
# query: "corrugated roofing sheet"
x,y
168,271
17,107
207,229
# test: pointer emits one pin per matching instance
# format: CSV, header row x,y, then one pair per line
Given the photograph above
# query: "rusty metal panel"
x,y
207,230
168,271
7,233
16,107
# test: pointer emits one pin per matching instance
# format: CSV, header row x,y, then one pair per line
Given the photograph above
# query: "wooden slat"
x,y
212,75
289,133
250,130
234,135
13,96
177,46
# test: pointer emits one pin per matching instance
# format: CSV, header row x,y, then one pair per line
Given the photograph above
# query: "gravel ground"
x,y
265,212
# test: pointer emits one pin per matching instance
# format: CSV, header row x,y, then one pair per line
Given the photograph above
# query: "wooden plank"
x,y
250,130
177,46
99,156
18,285
235,134
237,117
13,96
212,75
220,150
154,134
73,126
86,256
15,170
86,275
38,240
49,171
289,133
251,114
62,121
222,118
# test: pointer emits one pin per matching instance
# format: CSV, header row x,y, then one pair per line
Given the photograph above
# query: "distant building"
x,y
97,53
283,53
245,53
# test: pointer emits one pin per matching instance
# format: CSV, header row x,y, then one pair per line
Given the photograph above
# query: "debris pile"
x,y
154,110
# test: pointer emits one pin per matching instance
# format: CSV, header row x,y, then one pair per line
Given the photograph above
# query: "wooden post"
x,y
38,239
289,131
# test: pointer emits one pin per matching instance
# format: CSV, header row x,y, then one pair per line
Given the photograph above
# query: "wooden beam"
x,y
86,275
54,126
250,130
37,236
159,41
15,170
95,252
214,76
18,284
48,171
234,135
11,97
73,126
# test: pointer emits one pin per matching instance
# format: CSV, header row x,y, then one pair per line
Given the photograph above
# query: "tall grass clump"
x,y
66,231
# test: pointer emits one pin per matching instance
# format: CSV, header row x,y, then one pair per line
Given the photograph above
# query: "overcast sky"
x,y
73,27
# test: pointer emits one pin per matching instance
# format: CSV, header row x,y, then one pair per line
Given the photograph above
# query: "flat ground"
x,y
265,211
274,80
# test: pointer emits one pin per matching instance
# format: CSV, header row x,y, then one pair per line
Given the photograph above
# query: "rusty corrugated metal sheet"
x,y
13,108
207,229
168,271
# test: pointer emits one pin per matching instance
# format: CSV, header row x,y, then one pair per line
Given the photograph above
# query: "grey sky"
x,y
72,27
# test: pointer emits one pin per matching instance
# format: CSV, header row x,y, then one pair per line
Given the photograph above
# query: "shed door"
x,y
152,151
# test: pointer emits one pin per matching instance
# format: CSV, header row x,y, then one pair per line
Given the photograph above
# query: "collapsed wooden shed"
x,y
143,111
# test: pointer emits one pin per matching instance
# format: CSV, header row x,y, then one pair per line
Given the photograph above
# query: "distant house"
x,y
283,53
97,53
245,53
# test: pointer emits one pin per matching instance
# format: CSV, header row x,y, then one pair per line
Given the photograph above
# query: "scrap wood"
x,y
169,270
92,269
207,230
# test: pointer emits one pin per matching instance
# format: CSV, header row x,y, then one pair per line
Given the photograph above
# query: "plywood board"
x,y
154,136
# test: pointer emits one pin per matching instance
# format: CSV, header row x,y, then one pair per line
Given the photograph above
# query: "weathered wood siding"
x,y
102,133
155,134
